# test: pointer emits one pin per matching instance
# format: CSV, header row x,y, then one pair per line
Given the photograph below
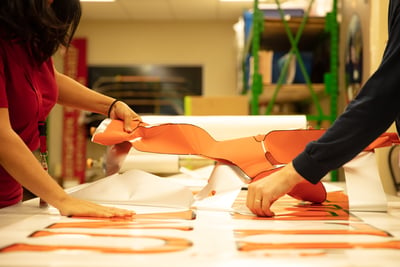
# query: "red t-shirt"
x,y
29,91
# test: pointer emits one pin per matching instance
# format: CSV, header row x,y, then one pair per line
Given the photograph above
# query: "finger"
x,y
250,198
254,199
137,117
266,208
258,206
122,212
128,124
95,210
114,213
258,202
258,210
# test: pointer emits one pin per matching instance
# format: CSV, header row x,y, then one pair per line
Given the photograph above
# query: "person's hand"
x,y
264,192
122,111
71,206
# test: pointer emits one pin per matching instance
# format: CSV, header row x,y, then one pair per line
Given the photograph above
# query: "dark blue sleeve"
x,y
369,115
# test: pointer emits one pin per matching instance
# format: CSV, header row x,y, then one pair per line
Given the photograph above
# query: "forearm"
x,y
74,94
370,115
375,108
22,165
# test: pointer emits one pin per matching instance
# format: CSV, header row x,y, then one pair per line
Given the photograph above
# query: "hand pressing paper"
x,y
136,187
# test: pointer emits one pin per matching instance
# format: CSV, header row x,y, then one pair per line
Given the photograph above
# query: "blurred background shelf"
x,y
289,93
274,36
290,57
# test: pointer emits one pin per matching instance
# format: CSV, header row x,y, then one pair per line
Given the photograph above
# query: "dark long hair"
x,y
42,26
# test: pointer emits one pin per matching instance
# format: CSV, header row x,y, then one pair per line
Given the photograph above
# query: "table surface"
x,y
300,235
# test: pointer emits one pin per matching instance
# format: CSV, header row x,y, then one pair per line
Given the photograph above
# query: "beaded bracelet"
x,y
110,108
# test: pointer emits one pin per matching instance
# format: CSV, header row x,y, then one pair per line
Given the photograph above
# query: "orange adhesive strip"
x,y
353,229
334,208
118,225
171,244
246,246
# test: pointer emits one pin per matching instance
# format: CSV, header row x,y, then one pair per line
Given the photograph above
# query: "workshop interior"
x,y
219,85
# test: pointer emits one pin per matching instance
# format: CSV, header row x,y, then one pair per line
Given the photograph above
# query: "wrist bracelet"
x,y
111,106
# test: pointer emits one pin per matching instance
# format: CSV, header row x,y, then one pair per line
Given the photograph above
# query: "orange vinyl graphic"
x,y
333,214
184,215
245,246
299,213
119,225
334,208
167,244
352,229
51,233
257,156
170,244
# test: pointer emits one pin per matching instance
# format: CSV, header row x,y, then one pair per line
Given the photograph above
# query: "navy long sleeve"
x,y
369,115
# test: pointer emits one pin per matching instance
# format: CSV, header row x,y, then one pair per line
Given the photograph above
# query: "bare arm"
x,y
18,161
74,94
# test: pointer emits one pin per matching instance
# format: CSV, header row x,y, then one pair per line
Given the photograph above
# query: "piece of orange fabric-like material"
x,y
257,156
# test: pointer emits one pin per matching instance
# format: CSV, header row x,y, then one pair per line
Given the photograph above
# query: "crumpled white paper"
x,y
140,188
222,189
364,185
136,187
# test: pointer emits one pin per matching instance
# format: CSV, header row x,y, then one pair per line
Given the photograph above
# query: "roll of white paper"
x,y
231,127
153,163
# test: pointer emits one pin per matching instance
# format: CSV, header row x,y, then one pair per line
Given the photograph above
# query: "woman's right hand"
x,y
263,193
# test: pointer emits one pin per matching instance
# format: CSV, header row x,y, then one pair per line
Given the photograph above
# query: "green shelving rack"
x,y
330,78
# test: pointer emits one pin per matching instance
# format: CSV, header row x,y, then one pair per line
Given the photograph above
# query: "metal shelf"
x,y
294,34
274,36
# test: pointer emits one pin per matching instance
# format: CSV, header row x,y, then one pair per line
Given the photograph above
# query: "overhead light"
x,y
97,0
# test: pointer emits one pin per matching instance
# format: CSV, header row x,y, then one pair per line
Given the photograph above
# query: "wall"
x,y
378,31
210,44
373,16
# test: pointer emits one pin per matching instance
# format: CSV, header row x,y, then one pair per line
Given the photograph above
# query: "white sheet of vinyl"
x,y
213,240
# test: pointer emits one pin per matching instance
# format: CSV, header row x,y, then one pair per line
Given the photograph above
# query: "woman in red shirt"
x,y
31,31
